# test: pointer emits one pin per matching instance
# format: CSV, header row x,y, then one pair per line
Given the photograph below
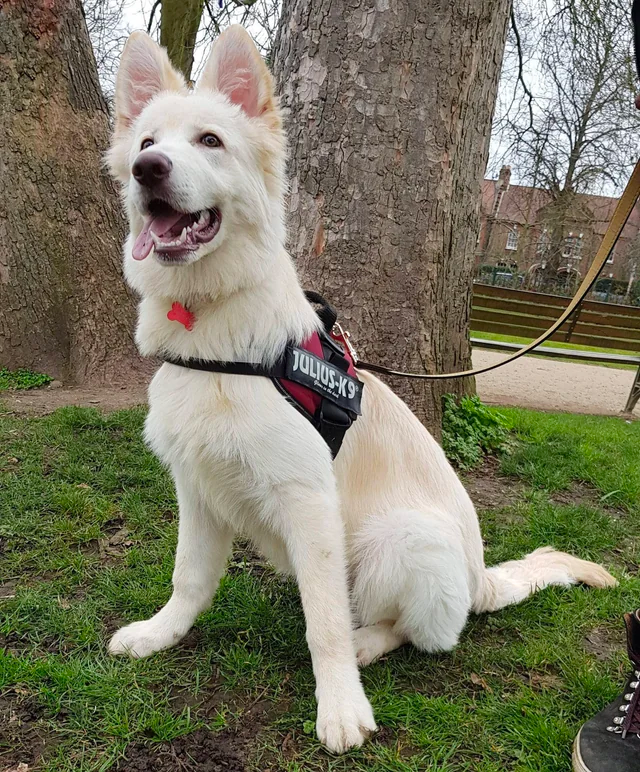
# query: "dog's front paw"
x,y
345,721
139,639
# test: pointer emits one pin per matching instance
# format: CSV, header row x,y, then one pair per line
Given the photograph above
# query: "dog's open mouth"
x,y
173,234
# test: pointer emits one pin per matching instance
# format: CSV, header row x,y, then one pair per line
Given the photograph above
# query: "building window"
x,y
543,242
573,246
512,239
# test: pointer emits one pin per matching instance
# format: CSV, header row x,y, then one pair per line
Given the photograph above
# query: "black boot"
x,y
610,742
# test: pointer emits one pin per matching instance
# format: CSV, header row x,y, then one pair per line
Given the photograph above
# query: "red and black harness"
x,y
317,377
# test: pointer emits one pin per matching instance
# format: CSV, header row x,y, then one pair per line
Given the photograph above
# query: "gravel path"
x,y
546,384
541,384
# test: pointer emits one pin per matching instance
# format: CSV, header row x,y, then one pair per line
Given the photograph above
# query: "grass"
x,y
557,344
22,379
87,532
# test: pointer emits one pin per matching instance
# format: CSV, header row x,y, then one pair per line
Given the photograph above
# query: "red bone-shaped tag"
x,y
180,314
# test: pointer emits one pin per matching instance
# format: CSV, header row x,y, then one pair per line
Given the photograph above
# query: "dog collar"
x,y
317,377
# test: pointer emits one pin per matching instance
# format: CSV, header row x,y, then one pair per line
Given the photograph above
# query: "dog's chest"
x,y
196,417
238,429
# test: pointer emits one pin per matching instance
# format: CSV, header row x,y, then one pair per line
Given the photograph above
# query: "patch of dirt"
x,y
13,644
24,735
396,739
245,560
602,643
16,644
112,546
581,494
488,489
200,751
42,401
541,681
8,590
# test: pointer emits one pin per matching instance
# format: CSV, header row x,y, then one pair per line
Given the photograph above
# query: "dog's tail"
x,y
515,580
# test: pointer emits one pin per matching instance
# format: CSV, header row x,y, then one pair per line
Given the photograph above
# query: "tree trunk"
x,y
178,31
556,216
390,107
64,308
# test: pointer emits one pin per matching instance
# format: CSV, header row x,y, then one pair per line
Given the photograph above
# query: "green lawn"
x,y
87,532
557,344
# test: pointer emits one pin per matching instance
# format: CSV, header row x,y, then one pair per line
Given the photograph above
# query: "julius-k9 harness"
x,y
317,377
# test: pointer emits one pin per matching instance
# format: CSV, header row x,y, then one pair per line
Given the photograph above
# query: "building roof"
x,y
520,204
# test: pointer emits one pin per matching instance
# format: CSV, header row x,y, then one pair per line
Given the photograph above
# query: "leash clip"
x,y
344,336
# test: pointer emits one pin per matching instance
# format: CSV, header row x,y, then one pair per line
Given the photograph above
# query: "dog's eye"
x,y
146,143
210,140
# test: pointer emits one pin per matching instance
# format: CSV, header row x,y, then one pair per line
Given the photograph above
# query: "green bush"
x,y
22,379
470,430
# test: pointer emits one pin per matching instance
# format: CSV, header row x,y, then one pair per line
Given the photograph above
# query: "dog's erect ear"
x,y
144,71
236,69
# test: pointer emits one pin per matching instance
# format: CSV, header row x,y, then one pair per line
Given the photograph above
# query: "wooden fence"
x,y
527,314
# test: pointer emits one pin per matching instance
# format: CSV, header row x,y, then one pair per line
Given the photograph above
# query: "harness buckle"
x,y
344,336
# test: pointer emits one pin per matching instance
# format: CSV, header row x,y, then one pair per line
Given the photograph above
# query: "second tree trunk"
x,y
389,116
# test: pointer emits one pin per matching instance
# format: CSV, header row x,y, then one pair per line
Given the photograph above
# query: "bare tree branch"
x,y
152,14
525,88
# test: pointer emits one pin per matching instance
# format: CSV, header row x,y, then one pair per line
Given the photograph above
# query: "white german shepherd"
x,y
203,180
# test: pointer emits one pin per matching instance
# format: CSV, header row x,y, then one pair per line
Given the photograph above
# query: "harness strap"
x,y
330,401
276,370
326,313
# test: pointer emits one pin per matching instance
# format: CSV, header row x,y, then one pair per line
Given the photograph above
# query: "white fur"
x,y
389,512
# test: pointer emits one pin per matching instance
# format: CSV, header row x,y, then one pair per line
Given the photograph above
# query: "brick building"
x,y
516,223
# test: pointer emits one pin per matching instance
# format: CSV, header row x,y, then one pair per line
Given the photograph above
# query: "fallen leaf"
x,y
479,681
119,537
288,744
545,680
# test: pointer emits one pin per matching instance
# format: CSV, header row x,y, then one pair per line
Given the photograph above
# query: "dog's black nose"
x,y
151,167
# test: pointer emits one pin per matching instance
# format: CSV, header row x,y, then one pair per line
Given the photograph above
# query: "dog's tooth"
x,y
183,236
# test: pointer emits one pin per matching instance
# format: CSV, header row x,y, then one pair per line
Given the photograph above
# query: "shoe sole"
x,y
578,763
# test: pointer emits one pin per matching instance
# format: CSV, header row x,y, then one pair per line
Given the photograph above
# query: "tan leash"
x,y
621,214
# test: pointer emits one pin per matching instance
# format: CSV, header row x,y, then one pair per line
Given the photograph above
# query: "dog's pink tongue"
x,y
143,244
158,225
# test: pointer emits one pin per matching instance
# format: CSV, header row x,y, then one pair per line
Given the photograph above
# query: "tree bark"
x,y
389,109
178,31
64,308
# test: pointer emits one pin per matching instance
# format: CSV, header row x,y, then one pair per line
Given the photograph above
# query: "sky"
x,y
136,13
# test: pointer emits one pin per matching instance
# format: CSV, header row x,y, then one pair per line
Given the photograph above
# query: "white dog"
x,y
203,178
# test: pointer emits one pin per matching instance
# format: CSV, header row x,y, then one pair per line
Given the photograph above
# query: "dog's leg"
x,y
410,569
314,535
203,549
